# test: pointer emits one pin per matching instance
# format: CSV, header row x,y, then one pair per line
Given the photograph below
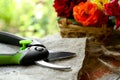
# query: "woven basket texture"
x,y
68,30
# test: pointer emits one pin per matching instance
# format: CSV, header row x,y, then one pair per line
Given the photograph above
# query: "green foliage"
x,y
29,18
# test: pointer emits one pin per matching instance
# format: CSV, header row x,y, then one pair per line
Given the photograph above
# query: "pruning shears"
x,y
31,52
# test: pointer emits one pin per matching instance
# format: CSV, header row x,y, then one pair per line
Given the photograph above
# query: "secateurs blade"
x,y
31,52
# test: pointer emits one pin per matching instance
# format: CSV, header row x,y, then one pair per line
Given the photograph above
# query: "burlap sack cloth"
x,y
102,61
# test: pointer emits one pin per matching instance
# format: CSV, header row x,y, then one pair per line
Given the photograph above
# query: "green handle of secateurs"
x,y
10,58
6,59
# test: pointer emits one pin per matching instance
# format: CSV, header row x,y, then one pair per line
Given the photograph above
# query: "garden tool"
x,y
31,52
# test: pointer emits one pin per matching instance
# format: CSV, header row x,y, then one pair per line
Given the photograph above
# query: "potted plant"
x,y
86,18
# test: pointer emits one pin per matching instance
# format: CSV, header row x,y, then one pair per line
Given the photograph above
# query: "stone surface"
x,y
35,72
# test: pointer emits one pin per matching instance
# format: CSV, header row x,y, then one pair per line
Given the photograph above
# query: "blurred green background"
x,y
28,18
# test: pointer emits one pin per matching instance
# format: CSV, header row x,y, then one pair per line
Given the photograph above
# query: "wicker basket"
x,y
68,30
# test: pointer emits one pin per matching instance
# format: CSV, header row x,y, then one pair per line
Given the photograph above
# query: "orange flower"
x,y
88,14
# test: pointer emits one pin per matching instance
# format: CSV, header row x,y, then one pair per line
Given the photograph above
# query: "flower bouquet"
x,y
80,18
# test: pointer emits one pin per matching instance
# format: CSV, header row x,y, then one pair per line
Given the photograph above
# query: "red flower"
x,y
113,9
64,8
88,14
